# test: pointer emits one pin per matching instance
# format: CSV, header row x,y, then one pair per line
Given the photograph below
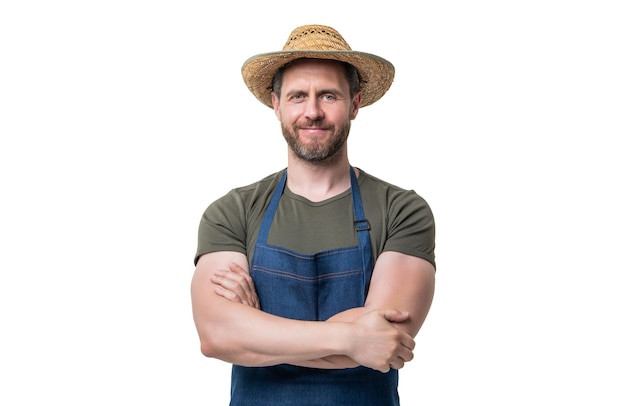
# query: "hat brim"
x,y
376,73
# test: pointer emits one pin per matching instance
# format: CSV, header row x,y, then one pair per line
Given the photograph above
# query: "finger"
x,y
254,301
248,289
237,269
236,291
395,315
230,281
239,273
405,354
408,342
224,281
227,294
384,369
245,288
398,363
234,297
245,280
231,288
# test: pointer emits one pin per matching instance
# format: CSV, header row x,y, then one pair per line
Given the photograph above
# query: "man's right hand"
x,y
378,344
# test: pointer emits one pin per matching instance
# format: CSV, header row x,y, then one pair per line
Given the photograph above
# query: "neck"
x,y
318,181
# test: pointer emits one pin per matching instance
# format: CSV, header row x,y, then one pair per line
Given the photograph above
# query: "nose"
x,y
313,110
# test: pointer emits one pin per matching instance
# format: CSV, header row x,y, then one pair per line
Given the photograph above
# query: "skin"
x,y
315,110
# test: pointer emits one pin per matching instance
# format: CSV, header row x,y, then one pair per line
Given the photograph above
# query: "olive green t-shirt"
x,y
400,220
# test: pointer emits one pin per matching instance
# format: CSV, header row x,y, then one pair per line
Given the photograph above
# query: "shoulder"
x,y
407,224
251,194
374,188
263,184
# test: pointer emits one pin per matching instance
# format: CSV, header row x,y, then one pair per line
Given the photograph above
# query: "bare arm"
x,y
399,281
241,334
405,282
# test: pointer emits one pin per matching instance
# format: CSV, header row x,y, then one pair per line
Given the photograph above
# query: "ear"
x,y
276,104
356,104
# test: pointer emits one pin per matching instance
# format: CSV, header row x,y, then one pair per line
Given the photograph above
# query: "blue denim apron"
x,y
312,287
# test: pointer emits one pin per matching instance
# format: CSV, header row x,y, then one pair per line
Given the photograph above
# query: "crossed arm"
x,y
378,335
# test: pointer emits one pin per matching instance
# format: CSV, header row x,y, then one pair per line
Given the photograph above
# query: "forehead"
x,y
315,67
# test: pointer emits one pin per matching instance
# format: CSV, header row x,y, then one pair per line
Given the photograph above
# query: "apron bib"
x,y
312,287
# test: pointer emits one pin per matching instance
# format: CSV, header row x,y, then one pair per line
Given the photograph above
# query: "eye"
x,y
329,97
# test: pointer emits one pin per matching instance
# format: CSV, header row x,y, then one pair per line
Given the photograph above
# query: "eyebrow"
x,y
334,91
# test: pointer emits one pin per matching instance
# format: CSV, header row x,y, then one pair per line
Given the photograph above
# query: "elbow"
x,y
214,346
208,347
208,342
213,341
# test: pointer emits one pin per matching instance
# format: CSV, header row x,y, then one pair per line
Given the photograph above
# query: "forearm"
x,y
241,334
250,337
336,361
232,329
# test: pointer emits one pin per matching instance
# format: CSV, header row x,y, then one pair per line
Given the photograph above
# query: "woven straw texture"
x,y
322,42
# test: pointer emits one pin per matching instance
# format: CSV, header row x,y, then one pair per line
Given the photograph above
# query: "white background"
x,y
120,121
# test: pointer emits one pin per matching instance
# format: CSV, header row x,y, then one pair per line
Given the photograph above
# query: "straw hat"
x,y
321,42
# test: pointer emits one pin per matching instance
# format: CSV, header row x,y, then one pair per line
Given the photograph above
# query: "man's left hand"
x,y
236,285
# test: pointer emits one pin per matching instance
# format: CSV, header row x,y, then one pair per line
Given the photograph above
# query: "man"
x,y
314,281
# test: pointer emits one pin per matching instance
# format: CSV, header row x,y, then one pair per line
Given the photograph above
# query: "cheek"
x,y
288,115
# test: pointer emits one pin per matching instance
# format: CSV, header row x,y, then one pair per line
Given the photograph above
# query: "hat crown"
x,y
317,42
316,38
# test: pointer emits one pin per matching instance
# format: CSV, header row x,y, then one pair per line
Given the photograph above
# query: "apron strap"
x,y
362,227
264,231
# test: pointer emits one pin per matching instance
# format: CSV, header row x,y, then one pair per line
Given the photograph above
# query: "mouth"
x,y
312,129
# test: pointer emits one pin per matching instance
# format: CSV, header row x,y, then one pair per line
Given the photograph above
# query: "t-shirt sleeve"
x,y
221,227
411,227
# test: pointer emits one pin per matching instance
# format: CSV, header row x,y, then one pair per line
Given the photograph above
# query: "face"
x,y
315,109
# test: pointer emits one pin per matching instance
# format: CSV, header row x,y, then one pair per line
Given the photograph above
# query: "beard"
x,y
316,151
